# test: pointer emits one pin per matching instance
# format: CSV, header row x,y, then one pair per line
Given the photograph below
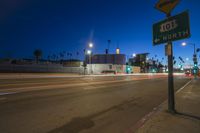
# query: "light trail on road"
x,y
104,104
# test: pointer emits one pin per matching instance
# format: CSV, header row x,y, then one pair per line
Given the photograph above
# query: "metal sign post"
x,y
171,99
171,29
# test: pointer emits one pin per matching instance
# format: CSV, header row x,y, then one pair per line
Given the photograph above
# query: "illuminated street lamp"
x,y
90,45
184,44
134,55
89,52
194,57
90,56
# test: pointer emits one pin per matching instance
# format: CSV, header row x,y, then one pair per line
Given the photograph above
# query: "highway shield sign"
x,y
166,6
172,29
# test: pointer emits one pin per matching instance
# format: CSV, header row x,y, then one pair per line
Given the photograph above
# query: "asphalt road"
x,y
109,104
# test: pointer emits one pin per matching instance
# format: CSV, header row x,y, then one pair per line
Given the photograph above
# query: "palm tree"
x,y
54,57
38,54
49,57
77,54
64,54
68,55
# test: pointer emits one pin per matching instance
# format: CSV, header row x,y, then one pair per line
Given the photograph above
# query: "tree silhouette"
x,y
49,57
62,55
38,54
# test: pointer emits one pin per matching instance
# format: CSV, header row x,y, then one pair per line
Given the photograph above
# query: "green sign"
x,y
171,29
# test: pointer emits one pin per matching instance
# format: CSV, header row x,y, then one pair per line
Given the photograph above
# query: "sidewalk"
x,y
187,120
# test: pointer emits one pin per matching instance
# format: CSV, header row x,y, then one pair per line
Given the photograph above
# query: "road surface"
x,y
106,104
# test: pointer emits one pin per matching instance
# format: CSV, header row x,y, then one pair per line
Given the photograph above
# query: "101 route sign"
x,y
166,6
172,29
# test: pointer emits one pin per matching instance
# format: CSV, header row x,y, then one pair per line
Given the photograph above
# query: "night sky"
x,y
69,25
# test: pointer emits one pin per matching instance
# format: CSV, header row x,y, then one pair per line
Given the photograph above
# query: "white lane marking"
x,y
6,93
26,89
135,74
24,76
184,86
89,87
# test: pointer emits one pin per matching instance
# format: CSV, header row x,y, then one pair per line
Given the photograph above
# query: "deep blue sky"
x,y
69,25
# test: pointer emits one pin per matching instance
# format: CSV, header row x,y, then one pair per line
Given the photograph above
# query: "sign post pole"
x,y
171,99
172,29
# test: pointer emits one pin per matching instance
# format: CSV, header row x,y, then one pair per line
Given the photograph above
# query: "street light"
x,y
134,55
90,45
194,57
184,44
89,52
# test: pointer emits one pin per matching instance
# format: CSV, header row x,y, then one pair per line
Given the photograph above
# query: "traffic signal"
x,y
180,65
153,70
195,69
128,69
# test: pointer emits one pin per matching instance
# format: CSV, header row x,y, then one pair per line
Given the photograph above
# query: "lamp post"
x,y
195,50
194,57
147,65
184,44
89,52
90,45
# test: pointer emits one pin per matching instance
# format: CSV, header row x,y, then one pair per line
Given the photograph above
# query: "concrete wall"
x,y
57,68
40,68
